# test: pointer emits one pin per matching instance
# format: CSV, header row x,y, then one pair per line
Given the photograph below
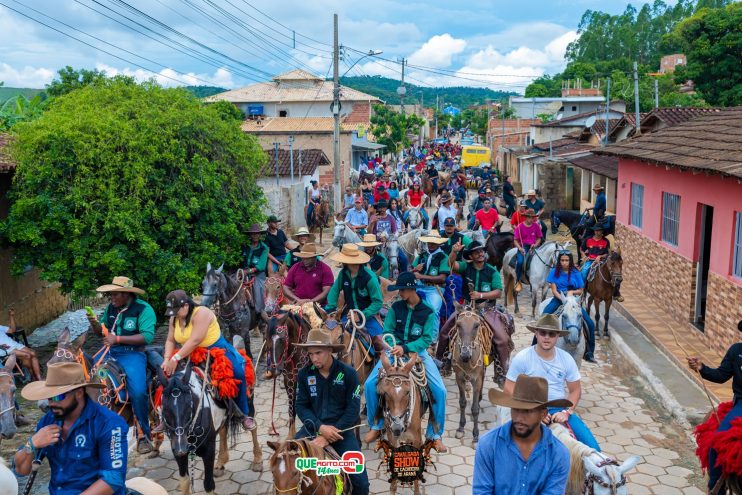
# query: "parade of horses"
x,y
438,334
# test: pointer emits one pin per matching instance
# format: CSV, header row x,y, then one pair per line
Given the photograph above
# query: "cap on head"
x,y
449,222
174,301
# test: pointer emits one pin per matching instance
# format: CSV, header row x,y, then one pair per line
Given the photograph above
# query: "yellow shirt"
x,y
182,335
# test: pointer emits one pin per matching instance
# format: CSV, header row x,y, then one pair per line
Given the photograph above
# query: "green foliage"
x,y
9,93
130,179
475,120
545,117
385,89
537,90
392,128
71,79
228,111
20,109
204,91
712,42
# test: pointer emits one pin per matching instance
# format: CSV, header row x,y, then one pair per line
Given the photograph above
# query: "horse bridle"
x,y
590,480
615,276
404,419
475,342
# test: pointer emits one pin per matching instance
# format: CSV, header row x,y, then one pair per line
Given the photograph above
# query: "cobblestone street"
x,y
622,414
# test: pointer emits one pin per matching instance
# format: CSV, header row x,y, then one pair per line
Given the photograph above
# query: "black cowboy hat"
x,y
382,204
474,246
598,226
406,280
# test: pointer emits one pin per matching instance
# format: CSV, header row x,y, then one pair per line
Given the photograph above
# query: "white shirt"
x,y
444,213
561,370
6,340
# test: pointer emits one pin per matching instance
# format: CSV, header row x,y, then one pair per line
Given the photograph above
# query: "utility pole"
x,y
436,116
487,129
607,108
656,93
422,112
291,155
636,99
275,147
401,90
336,112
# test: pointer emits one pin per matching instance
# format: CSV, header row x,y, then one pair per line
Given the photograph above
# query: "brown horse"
x,y
607,277
288,479
7,398
427,187
470,342
498,243
320,216
285,330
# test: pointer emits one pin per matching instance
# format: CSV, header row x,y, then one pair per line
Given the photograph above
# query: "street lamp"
x,y
371,53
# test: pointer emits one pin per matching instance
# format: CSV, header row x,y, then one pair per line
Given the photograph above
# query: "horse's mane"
x,y
577,450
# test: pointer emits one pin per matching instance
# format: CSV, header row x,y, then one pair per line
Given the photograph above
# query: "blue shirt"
x,y
96,448
600,204
565,281
499,468
355,217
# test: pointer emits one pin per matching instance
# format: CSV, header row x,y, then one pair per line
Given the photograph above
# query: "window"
x,y
574,108
738,246
283,113
670,218
637,205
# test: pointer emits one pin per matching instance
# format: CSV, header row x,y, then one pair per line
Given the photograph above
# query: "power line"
x,y
286,27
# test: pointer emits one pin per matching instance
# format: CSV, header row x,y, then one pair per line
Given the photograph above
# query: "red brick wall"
x,y
723,312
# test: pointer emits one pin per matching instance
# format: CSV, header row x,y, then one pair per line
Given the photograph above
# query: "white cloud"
x,y
438,51
168,77
26,77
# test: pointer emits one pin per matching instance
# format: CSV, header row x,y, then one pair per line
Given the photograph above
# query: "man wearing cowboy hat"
x,y
84,441
256,264
360,288
537,205
383,226
130,322
527,237
378,262
522,457
431,269
302,236
559,369
328,401
446,209
414,324
310,280
594,249
600,203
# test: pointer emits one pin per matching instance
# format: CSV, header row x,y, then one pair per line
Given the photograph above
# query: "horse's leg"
x,y
185,480
590,300
597,318
223,456
257,453
393,487
513,283
208,458
477,397
608,303
461,383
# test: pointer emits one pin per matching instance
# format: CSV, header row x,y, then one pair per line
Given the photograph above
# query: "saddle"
x,y
526,264
363,338
593,270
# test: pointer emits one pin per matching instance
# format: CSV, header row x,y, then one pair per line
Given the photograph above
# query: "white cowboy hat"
x,y
351,255
304,231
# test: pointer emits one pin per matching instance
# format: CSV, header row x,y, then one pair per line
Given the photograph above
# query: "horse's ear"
x,y
79,341
320,312
219,270
10,364
187,375
385,362
408,367
64,337
208,266
161,376
273,445
629,464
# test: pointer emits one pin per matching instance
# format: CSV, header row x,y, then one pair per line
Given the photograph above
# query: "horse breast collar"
x,y
590,480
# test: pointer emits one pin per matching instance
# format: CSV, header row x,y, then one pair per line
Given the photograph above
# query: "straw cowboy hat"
x,y
434,237
531,192
303,231
547,322
255,229
530,392
369,240
60,379
120,284
308,250
598,187
530,212
351,255
320,338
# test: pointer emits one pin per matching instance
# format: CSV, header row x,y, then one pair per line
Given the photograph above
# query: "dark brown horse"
x,y
285,330
470,342
606,279
320,216
497,245
288,479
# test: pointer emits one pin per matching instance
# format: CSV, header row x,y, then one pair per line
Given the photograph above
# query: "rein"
x,y
589,487
190,428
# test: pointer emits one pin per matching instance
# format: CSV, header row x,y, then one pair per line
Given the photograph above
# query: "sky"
x,y
501,44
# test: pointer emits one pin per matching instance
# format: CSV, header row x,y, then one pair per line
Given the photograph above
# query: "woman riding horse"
x,y
193,326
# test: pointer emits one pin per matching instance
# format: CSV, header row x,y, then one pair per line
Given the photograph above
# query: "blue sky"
x,y
496,43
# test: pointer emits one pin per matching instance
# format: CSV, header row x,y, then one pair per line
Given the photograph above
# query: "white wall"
x,y
286,202
301,109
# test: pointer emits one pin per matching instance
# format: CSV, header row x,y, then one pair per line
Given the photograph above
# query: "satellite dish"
x,y
590,121
559,116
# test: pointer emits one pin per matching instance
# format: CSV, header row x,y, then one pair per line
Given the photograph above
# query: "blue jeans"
x,y
279,258
373,328
448,297
726,424
359,481
134,364
586,269
402,260
369,196
238,368
590,348
519,262
432,297
580,429
437,389
426,219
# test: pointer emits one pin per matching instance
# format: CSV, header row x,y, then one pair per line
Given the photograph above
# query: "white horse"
x,y
342,234
475,235
544,259
8,483
569,319
409,242
414,217
390,245
355,176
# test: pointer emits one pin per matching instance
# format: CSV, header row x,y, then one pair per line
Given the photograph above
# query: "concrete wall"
x,y
552,182
302,109
287,202
543,134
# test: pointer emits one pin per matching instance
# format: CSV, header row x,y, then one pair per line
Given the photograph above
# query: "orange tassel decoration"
x,y
221,371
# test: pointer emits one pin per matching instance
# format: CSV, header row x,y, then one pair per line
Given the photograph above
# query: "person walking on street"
x,y
357,218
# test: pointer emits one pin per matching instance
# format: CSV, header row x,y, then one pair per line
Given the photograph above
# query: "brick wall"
x,y
723,312
552,177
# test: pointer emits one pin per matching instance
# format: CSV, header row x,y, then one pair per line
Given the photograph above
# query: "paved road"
x,y
623,416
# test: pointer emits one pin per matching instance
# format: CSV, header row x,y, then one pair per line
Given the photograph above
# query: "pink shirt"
x,y
527,236
308,284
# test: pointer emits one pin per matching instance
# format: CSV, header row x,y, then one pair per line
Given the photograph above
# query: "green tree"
x,y
71,79
536,90
228,111
20,109
131,179
712,42
393,129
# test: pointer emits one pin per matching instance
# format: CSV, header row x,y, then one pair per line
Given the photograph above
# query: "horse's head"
x,y
179,410
555,222
7,400
615,267
397,393
68,349
607,476
572,319
286,477
338,234
467,329
279,339
213,284
273,294
414,217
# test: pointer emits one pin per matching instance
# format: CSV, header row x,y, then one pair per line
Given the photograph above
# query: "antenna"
x,y
590,121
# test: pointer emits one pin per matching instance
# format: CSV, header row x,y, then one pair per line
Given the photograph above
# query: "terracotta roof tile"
x,y
6,164
606,166
673,116
310,160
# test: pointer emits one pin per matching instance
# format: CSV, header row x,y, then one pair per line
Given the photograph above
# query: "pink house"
x,y
679,221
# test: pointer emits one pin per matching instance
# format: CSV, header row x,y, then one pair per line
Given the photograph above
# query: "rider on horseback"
x,y
431,269
594,249
378,263
537,205
414,324
130,322
383,226
193,326
528,236
302,236
256,264
360,288
357,218
314,198
415,198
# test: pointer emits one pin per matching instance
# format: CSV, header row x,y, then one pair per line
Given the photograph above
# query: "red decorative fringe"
x,y
727,444
221,371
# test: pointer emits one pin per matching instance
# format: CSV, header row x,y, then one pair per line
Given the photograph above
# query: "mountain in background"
x,y
459,96
8,93
204,91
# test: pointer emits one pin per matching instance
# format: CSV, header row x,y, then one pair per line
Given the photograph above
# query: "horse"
x,y
607,277
320,216
542,262
8,427
285,329
409,242
574,221
8,481
427,187
570,319
192,419
274,297
470,342
390,246
498,243
342,234
287,478
236,311
414,217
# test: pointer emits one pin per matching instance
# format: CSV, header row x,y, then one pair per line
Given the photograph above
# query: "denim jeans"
x,y
726,424
373,328
519,262
437,389
586,269
134,364
590,347
402,260
432,297
579,428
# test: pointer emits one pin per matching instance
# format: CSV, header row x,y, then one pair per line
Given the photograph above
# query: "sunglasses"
x,y
58,398
544,333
